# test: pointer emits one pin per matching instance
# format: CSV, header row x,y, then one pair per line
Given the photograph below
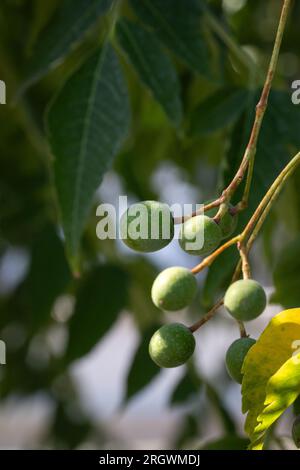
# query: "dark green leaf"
x,y
218,110
67,28
185,389
179,26
230,442
87,124
48,275
153,66
101,297
142,369
287,276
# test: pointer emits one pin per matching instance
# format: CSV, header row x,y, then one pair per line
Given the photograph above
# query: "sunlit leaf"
x,y
272,350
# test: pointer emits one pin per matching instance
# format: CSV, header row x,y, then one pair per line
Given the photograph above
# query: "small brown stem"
x,y
206,317
244,259
277,184
210,259
242,329
260,109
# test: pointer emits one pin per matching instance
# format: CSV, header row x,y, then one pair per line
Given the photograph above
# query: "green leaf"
x,y
273,350
286,275
68,27
153,66
282,390
230,442
48,275
100,299
142,369
87,123
185,389
178,27
218,110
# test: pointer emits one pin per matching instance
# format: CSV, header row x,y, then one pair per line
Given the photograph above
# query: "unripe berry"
x,y
174,288
227,223
235,356
245,299
172,345
200,235
147,226
296,432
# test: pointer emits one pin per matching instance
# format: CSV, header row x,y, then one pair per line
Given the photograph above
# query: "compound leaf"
x,y
272,351
153,66
179,27
87,124
68,26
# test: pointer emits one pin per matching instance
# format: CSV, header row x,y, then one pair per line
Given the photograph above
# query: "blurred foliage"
x,y
192,98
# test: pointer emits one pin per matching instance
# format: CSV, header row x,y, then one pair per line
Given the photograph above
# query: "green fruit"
x,y
227,223
174,288
235,357
296,431
172,345
200,235
245,299
147,226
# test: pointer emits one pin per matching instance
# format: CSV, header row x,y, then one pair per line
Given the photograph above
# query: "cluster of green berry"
x,y
175,287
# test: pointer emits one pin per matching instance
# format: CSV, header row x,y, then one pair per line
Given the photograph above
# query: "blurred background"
x,y
77,372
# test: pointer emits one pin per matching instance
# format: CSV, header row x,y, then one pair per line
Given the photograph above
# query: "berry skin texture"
x,y
245,299
228,222
147,226
174,289
296,432
172,345
235,356
200,235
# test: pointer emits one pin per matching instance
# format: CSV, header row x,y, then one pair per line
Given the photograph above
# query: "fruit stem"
x,y
206,317
277,185
260,112
249,155
242,329
244,260
210,259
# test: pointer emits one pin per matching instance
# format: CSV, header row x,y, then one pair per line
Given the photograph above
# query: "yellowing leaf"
x,y
272,350
282,390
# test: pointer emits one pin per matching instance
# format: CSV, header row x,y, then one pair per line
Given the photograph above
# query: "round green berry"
x,y
245,299
147,226
174,288
199,235
172,345
235,357
228,222
296,431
